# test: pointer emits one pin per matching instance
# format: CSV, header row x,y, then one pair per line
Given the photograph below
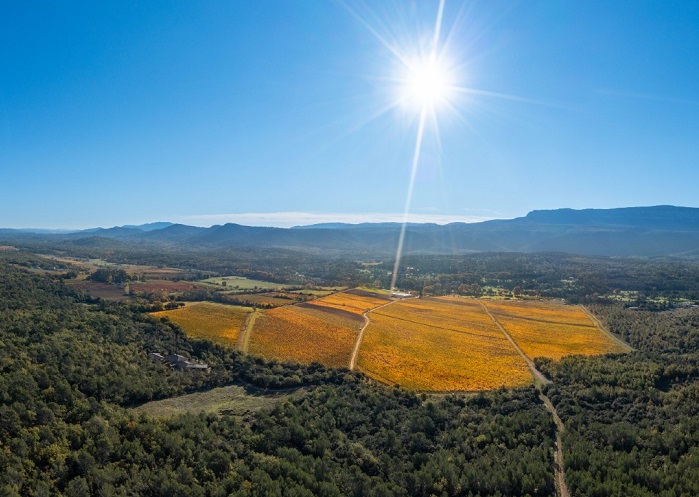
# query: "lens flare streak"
x,y
409,197
425,83
430,86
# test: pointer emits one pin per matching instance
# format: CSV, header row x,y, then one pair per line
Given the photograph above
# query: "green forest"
x,y
73,367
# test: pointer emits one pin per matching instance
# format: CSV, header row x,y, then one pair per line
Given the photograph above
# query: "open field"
x,y
216,322
240,283
439,345
162,286
305,333
148,272
234,399
276,299
117,292
99,290
549,329
321,292
370,292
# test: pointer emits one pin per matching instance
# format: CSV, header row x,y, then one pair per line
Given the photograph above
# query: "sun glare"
x,y
427,84
427,81
424,83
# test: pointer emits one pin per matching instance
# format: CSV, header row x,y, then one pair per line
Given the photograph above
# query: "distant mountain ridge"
x,y
338,226
150,226
632,231
662,217
135,228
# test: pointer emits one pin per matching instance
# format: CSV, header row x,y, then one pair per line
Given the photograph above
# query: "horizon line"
x,y
292,219
288,219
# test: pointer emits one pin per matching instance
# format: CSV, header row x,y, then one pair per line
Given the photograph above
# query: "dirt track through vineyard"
x,y
245,331
360,335
539,378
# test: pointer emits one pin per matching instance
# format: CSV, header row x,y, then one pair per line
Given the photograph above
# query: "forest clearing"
x,y
231,400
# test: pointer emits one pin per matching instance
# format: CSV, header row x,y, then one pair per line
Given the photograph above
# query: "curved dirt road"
x,y
360,335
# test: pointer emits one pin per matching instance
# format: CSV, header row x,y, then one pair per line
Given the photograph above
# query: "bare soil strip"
x,y
604,330
246,331
360,335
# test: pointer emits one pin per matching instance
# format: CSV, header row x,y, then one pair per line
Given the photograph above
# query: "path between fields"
x,y
539,381
539,378
605,331
360,335
246,330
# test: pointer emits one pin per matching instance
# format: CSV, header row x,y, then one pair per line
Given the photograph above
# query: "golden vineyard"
x,y
430,344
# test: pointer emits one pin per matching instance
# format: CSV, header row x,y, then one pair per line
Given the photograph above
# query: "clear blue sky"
x,y
262,112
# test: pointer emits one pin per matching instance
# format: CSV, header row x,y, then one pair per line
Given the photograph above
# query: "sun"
x,y
426,83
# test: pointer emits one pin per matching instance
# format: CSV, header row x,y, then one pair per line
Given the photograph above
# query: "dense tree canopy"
x,y
633,420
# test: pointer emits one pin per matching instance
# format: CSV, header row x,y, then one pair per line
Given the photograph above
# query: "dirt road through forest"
x,y
539,381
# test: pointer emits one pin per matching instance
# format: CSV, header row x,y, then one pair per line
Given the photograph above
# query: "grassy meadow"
x,y
232,400
240,283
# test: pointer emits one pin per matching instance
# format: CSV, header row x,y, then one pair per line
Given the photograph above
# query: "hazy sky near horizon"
x,y
277,112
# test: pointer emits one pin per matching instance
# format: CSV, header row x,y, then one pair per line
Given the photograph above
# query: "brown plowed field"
x,y
162,286
99,290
